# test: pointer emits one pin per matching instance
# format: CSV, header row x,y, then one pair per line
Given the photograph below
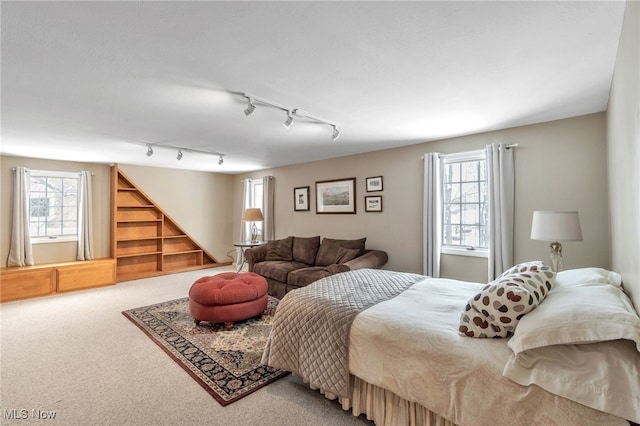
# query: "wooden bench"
x,y
24,282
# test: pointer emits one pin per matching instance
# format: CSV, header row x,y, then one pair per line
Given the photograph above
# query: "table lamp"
x,y
253,215
556,226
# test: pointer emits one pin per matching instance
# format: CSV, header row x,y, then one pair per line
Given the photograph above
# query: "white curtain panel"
x,y
85,221
20,252
501,182
432,228
268,207
245,233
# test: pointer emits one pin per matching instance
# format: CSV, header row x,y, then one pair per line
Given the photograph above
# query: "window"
x,y
465,207
255,196
53,205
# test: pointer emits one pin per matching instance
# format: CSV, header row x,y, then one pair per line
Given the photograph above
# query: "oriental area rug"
x,y
225,363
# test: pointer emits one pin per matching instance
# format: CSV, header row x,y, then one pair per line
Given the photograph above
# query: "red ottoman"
x,y
228,297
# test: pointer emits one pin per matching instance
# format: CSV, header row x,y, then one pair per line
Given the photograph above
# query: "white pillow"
x,y
588,276
604,376
576,315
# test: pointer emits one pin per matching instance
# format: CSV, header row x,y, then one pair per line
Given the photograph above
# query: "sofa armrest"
x,y
374,259
255,255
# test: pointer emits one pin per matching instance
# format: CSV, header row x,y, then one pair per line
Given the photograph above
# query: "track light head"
x,y
289,120
335,134
149,151
220,160
179,156
250,107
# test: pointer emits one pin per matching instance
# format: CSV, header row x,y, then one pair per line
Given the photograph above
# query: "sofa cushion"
x,y
305,249
305,276
329,249
344,255
280,249
277,269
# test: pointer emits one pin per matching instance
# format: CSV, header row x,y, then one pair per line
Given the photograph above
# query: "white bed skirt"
x,y
385,408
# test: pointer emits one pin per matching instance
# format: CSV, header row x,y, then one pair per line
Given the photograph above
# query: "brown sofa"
x,y
295,262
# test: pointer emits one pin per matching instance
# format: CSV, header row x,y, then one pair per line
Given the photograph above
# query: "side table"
x,y
244,245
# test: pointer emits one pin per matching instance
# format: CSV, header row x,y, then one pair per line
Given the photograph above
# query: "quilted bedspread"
x,y
310,331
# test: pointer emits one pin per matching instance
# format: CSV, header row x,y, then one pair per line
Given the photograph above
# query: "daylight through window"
x,y
53,204
465,208
256,192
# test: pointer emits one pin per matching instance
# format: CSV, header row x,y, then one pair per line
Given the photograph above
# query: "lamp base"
x,y
556,256
254,233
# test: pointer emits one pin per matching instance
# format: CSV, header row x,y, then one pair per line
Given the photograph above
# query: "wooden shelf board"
x,y
122,188
173,253
174,236
139,220
138,239
147,253
137,206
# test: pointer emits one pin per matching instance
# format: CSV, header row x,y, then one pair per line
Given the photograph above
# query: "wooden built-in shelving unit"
x,y
145,241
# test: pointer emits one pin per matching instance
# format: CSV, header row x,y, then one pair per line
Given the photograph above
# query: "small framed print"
x,y
301,199
374,184
373,203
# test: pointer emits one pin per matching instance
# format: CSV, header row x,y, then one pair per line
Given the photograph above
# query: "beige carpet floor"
x,y
76,356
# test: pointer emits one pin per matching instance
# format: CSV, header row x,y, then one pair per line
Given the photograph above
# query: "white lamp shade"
x,y
556,226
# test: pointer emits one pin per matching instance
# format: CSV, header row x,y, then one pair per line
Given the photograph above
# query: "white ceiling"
x,y
97,81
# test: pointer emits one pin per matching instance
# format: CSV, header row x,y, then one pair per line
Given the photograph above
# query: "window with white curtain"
x,y
53,206
465,204
255,197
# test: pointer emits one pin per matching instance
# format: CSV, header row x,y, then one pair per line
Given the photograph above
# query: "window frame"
x,y
55,174
255,201
459,250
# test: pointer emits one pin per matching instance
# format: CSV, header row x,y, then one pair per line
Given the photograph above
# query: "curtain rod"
x,y
92,174
513,145
270,178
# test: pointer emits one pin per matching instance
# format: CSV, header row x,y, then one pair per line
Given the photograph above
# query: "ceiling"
x,y
98,81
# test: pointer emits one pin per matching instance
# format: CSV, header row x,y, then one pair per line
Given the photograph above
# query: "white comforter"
x,y
410,345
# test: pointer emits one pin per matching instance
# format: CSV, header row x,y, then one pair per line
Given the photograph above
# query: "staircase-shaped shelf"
x,y
145,241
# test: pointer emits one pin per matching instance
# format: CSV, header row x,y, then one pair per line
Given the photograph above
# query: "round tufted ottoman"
x,y
228,297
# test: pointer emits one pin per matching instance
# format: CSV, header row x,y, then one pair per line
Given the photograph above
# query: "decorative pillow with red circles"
x,y
497,308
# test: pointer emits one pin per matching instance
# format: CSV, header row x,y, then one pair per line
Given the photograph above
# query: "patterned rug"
x,y
225,363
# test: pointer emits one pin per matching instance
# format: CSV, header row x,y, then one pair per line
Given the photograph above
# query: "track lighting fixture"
x,y
291,112
335,134
289,120
181,151
250,107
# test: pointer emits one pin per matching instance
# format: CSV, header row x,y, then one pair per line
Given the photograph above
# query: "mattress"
x,y
410,346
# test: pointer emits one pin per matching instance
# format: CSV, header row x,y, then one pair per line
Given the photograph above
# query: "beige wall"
x,y
58,251
198,201
623,127
559,165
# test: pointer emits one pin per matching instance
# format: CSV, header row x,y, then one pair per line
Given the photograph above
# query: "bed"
x,y
388,344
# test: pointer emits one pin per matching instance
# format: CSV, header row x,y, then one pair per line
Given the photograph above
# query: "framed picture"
x,y
374,184
336,196
373,203
301,199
